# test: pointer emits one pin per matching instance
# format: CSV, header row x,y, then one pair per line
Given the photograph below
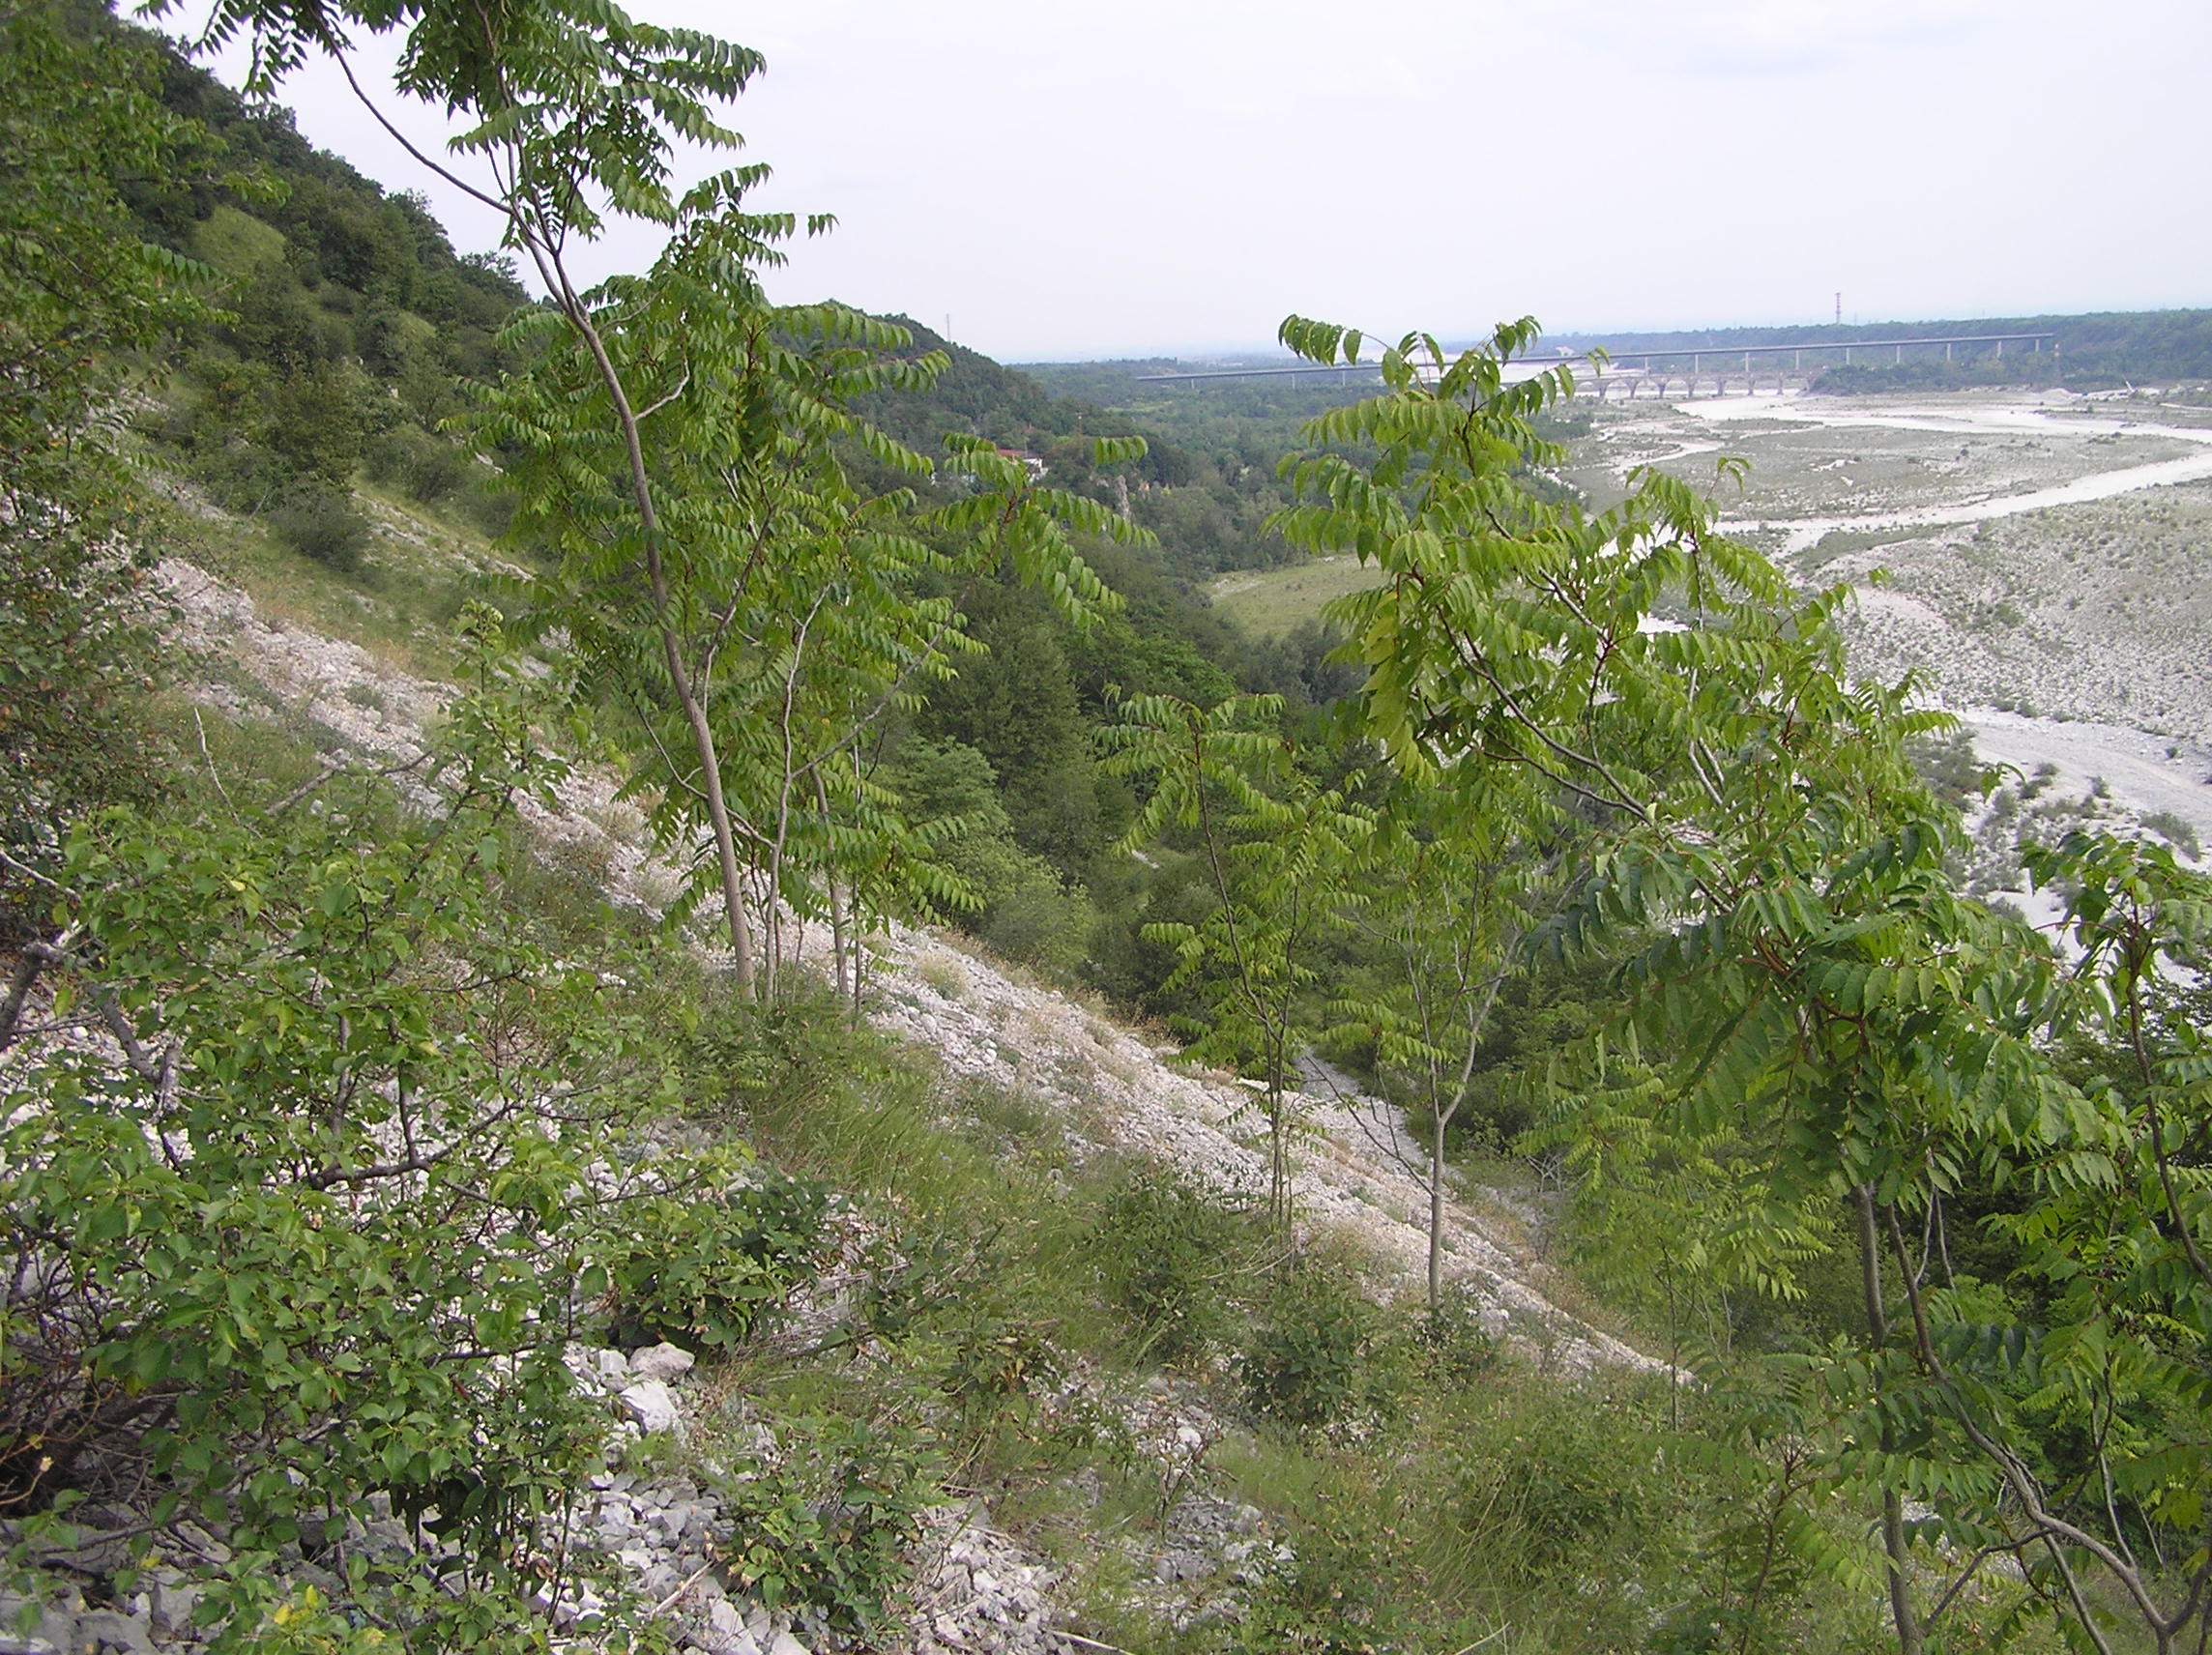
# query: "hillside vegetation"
x,y
492,1158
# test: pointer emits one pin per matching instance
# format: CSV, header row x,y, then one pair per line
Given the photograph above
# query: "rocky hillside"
x,y
689,1451
1109,1087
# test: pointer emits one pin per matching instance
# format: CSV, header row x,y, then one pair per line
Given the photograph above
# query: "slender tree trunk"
x,y
1443,1118
1436,1208
837,939
718,815
772,919
1908,1636
1673,1343
544,245
656,577
1278,1208
830,880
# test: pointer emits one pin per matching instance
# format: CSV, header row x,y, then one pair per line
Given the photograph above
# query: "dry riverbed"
x,y
2043,562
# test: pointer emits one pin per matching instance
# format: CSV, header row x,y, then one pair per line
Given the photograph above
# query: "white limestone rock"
x,y
652,1404
663,1362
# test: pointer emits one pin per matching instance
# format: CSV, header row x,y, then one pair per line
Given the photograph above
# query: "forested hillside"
x,y
345,327
491,1158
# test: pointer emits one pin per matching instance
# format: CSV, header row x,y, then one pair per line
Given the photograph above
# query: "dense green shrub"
x,y
83,297
321,524
241,477
1576,1474
1339,1593
824,1522
1165,1247
487,505
317,420
1014,899
311,1226
1039,919
1307,1362
429,467
1452,1346
701,1272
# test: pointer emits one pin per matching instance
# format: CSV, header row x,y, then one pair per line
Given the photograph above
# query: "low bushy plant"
x,y
1165,1247
322,524
1335,1593
487,505
429,467
825,1523
303,1228
1452,1346
1040,920
701,1272
1568,1475
1308,1363
2176,831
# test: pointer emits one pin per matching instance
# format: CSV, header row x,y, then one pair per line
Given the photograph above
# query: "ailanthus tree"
x,y
683,435
1447,888
1835,1038
800,613
1634,661
1277,849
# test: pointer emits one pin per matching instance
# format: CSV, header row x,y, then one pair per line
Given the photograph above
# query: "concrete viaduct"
x,y
1661,368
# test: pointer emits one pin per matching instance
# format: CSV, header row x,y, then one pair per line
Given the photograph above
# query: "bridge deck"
x,y
1693,355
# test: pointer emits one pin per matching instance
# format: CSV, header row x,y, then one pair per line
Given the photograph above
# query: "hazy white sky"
x,y
1161,176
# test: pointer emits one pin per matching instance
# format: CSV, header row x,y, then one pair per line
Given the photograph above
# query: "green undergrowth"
x,y
397,598
1030,1321
1431,1484
1022,1311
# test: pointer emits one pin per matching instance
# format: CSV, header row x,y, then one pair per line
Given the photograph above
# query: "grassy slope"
x,y
1471,1490
1268,602
399,604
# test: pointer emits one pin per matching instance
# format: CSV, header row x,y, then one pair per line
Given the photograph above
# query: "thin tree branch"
x,y
34,958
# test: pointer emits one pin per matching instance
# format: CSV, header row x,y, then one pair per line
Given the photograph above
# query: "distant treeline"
x,y
2084,353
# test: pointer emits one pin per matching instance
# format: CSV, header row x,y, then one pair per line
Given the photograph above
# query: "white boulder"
x,y
663,1362
652,1405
